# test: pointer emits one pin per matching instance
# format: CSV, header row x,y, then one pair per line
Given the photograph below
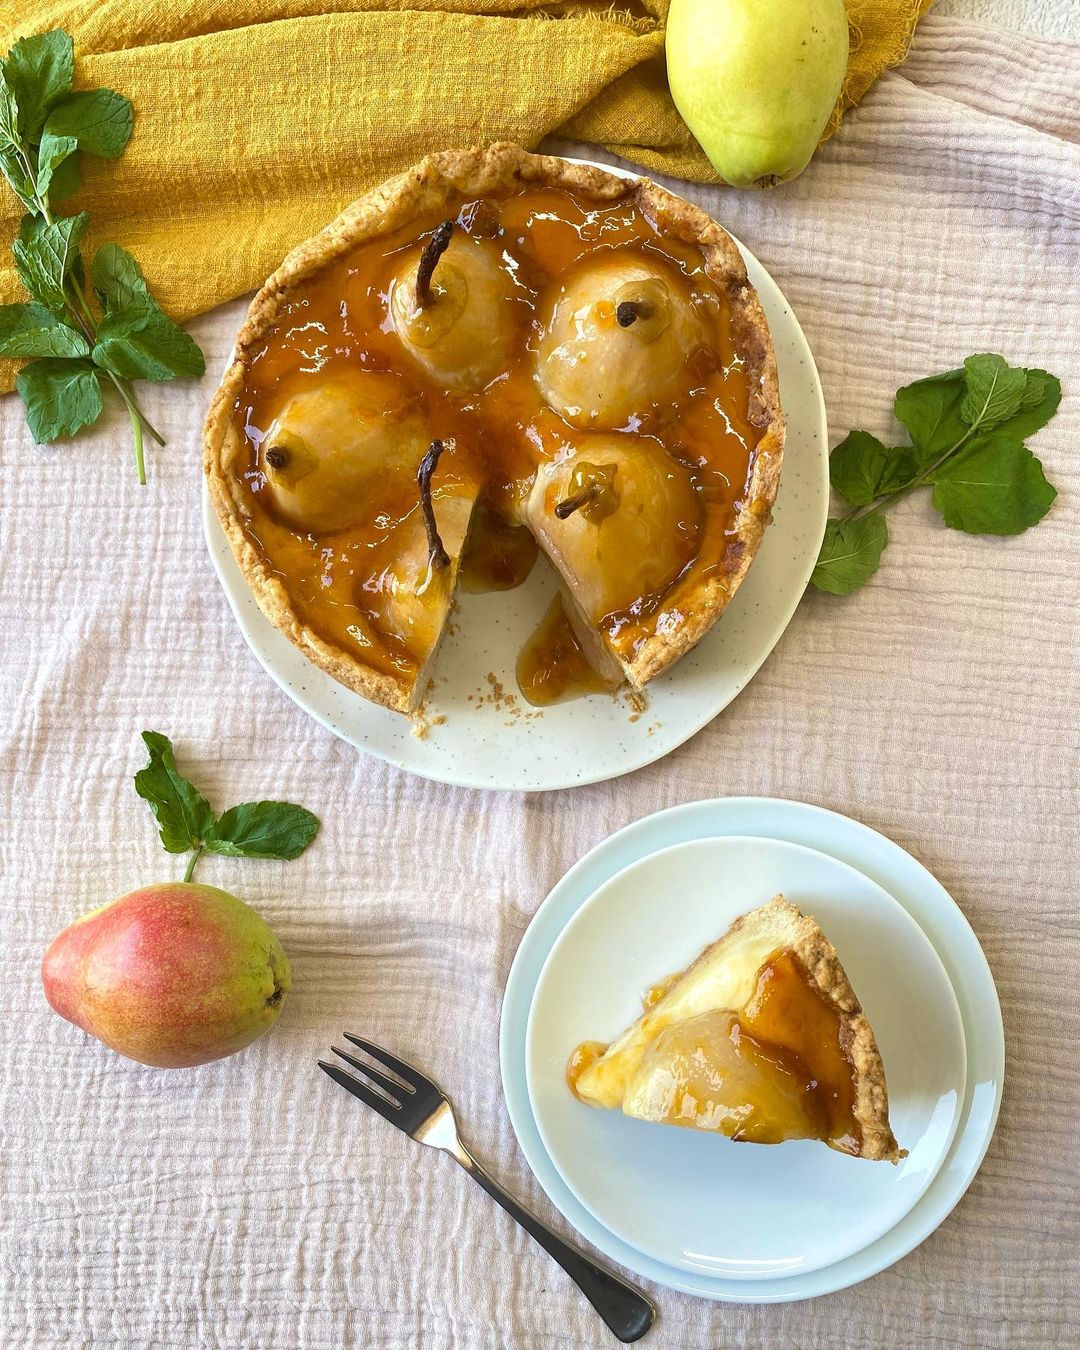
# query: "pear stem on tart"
x,y
627,311
567,507
437,555
435,247
596,496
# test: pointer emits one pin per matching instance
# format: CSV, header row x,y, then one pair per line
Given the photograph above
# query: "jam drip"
x,y
498,555
553,667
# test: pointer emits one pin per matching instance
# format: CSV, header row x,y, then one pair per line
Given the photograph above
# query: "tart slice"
x,y
620,520
761,1038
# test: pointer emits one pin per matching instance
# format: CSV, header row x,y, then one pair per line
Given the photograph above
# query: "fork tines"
x,y
404,1103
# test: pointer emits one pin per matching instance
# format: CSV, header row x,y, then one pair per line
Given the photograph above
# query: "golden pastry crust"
x,y
818,957
421,193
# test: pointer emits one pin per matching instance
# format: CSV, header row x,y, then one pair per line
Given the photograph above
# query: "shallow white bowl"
x,y
697,1201
486,743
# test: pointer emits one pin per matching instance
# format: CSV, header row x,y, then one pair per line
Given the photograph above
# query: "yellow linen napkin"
x,y
256,121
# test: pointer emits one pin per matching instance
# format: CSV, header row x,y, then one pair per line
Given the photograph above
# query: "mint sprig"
x,y
967,430
187,823
43,128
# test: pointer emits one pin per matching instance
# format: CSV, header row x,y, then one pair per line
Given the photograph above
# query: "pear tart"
x,y
761,1039
492,352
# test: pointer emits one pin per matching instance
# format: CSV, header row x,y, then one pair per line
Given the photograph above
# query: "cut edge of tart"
x,y
425,193
725,1045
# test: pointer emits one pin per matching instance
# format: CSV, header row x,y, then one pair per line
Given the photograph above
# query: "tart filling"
x,y
598,376
760,1039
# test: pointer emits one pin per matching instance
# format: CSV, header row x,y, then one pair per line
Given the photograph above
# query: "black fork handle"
x,y
627,1313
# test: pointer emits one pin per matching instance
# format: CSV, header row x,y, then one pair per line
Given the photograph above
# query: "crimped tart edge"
x,y
419,193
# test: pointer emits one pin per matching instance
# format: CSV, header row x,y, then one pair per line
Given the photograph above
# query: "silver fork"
x,y
414,1104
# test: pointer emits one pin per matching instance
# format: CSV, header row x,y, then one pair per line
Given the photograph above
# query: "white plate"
x,y
672,1193
484,743
912,886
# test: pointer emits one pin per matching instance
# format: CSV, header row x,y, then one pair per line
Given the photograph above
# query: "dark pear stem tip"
x,y
437,555
276,457
569,505
629,310
435,247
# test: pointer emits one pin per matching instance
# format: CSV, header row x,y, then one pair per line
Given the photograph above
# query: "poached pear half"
x,y
460,325
616,340
332,442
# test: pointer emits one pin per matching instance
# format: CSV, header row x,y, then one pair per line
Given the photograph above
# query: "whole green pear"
x,y
756,80
172,975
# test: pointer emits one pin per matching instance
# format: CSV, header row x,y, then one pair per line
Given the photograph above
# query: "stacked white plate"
x,y
746,1223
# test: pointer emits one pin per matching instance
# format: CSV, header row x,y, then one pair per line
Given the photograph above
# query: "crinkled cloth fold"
x,y
257,121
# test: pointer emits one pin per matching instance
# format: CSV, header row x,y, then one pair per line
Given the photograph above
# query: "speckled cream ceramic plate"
x,y
481,733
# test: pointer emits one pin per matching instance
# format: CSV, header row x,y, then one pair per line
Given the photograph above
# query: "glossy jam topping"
x,y
498,555
361,372
553,666
773,1070
584,1057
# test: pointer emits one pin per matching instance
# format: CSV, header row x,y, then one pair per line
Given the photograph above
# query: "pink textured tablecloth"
x,y
248,1203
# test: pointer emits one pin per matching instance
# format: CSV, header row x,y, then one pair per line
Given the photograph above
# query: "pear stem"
x,y
627,311
569,505
437,555
192,861
435,247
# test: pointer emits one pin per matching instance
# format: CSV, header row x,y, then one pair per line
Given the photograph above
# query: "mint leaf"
x,y
993,391
930,409
66,179
901,470
136,339
263,830
145,344
43,126
32,330
850,554
995,487
52,152
12,168
861,468
39,71
967,429
60,396
856,466
183,814
45,256
99,119
9,114
118,280
1042,394
250,830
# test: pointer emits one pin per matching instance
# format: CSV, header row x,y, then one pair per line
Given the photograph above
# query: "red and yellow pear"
x,y
172,975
